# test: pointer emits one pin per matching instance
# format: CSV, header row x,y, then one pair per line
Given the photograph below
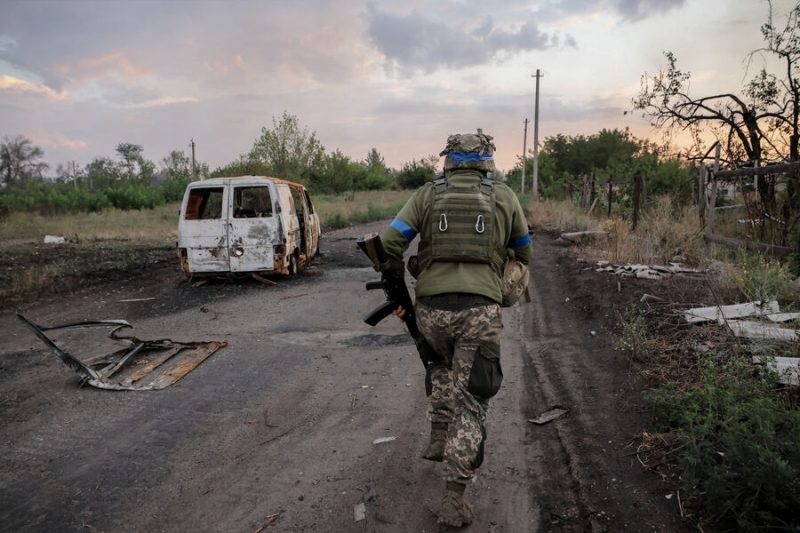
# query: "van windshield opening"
x,y
252,202
204,203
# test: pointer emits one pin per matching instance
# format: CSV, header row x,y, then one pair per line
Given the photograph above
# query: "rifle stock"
x,y
396,292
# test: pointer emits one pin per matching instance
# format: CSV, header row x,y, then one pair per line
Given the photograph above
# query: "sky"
x,y
80,77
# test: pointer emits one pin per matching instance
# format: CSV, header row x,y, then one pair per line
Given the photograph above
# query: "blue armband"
x,y
520,242
406,230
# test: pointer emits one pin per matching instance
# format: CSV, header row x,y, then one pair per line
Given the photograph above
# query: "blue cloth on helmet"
x,y
468,157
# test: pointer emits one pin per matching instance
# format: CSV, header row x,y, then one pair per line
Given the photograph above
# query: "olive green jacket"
x,y
510,228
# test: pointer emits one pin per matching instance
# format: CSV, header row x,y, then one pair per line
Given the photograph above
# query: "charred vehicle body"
x,y
248,224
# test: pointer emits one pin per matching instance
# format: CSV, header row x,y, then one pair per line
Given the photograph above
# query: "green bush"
x,y
373,213
132,196
739,437
759,277
172,190
337,221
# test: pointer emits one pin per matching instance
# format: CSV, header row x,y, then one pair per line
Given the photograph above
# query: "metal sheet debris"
x,y
786,368
135,364
732,315
752,329
550,415
720,313
784,317
653,272
580,236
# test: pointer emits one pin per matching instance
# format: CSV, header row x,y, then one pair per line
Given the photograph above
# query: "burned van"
x,y
248,224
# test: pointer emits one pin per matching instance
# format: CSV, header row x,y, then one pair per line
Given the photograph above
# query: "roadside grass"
x,y
29,270
667,232
338,211
154,226
724,431
101,246
758,277
561,216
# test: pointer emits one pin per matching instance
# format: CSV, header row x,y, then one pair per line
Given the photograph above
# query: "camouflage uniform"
x,y
458,312
459,327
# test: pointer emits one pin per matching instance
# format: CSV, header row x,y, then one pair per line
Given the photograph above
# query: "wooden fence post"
x,y
712,202
610,195
585,192
644,189
701,194
637,194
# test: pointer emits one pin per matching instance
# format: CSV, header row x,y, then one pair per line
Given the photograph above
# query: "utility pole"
x,y
524,149
194,169
536,140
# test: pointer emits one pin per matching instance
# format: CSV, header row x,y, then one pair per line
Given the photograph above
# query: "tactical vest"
x,y
461,226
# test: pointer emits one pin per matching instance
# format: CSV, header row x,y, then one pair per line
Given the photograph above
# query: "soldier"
x,y
468,224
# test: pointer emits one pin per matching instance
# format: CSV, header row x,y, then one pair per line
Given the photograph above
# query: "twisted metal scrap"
x,y
117,360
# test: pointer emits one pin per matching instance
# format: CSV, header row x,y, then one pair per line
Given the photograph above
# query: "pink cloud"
x,y
107,66
16,85
59,140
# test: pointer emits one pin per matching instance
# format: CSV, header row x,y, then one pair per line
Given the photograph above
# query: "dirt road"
x,y
279,427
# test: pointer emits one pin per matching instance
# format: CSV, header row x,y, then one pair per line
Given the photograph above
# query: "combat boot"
x,y
455,511
435,449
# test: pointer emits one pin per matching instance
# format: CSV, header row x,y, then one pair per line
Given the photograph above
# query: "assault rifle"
x,y
396,292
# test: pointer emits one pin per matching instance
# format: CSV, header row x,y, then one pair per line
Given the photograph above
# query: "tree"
x,y
416,173
177,166
734,123
761,124
377,174
130,153
289,152
609,153
69,173
136,166
375,160
102,172
245,165
20,161
782,95
337,174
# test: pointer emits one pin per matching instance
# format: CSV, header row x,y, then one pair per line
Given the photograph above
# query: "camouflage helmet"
x,y
469,150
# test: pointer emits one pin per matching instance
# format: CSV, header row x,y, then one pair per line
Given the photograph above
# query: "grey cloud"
x,y
642,9
529,37
413,43
629,10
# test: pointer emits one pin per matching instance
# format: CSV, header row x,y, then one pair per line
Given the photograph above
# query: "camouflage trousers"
x,y
465,330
